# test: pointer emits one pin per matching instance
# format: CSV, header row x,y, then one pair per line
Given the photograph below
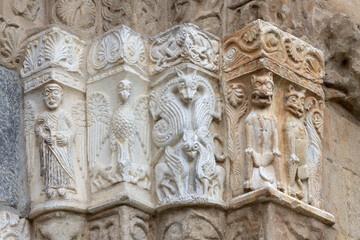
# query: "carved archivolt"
x,y
53,47
261,39
184,43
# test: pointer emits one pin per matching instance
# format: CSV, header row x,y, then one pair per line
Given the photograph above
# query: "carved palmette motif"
x,y
118,45
183,111
184,43
11,48
56,47
78,14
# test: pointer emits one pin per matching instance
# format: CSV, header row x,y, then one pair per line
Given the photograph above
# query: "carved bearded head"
x,y
124,89
262,89
187,86
295,101
52,95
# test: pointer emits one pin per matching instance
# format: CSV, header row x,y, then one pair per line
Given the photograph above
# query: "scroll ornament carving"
x,y
13,227
26,8
55,131
184,43
11,49
53,47
120,44
122,129
261,39
183,112
79,13
262,155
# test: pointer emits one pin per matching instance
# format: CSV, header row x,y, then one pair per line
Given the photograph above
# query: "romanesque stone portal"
x,y
181,135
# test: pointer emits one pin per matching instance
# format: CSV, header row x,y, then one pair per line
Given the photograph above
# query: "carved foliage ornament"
x,y
120,44
261,39
13,228
184,43
76,13
27,8
56,47
11,49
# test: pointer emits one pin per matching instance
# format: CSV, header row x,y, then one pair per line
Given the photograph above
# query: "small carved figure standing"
x,y
55,131
262,156
296,140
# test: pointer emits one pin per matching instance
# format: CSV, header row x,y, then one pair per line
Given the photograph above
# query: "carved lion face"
x,y
191,145
262,89
52,95
187,86
295,101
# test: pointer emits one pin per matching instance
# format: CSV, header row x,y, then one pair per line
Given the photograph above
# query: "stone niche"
x,y
176,136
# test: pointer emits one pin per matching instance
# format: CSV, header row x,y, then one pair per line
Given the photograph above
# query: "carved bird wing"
x,y
174,162
202,112
141,114
98,116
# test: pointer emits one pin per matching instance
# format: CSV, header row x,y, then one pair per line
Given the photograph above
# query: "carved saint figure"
x,y
262,156
296,140
183,113
55,132
123,132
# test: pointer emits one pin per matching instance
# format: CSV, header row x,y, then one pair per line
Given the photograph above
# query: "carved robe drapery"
x,y
55,133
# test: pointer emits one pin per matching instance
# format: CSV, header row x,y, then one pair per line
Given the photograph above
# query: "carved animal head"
x,y
187,86
124,89
295,101
52,95
191,145
262,89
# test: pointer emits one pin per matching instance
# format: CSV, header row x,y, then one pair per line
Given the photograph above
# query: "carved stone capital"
x,y
11,43
53,48
261,39
181,44
119,45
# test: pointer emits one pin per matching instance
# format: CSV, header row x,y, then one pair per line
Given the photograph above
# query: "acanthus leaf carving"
x,y
118,45
11,47
184,43
53,46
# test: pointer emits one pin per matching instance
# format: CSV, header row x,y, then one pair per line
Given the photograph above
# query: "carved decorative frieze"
x,y
184,43
13,227
119,45
261,39
11,47
183,109
53,47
